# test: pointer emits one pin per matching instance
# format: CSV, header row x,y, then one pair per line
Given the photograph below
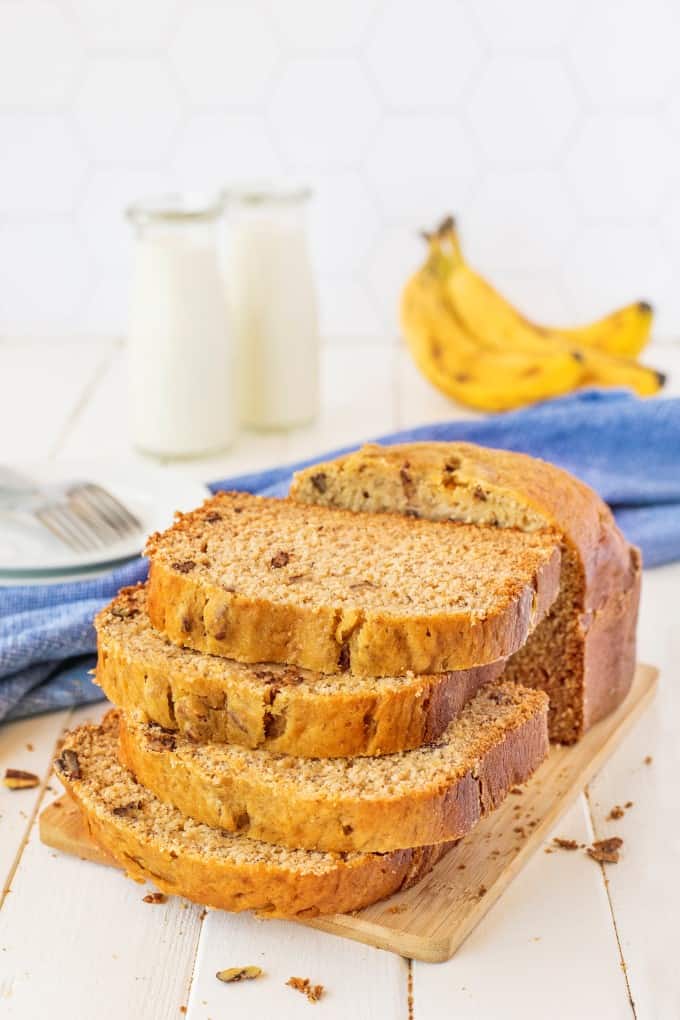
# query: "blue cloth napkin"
x,y
627,449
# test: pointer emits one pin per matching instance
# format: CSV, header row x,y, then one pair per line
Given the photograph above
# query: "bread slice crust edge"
x,y
428,796
268,706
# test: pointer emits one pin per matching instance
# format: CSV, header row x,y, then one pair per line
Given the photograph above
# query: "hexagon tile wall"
x,y
551,130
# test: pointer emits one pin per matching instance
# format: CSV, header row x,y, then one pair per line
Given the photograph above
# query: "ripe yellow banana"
x,y
602,369
486,312
497,326
623,333
461,367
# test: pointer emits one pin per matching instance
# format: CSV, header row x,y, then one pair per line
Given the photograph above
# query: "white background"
x,y
551,129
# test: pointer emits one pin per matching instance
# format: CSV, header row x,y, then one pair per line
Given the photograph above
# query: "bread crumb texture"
x,y
365,593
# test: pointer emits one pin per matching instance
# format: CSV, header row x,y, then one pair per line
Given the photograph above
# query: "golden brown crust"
x,y
195,608
267,706
582,653
274,885
427,796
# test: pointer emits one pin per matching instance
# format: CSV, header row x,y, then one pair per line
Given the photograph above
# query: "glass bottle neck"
x,y
171,214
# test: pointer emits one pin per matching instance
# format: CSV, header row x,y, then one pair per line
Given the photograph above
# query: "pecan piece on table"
x,y
232,974
17,779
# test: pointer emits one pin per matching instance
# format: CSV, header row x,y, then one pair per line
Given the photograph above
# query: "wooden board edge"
x,y
62,827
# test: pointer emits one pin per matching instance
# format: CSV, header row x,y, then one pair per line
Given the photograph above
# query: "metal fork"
x,y
82,515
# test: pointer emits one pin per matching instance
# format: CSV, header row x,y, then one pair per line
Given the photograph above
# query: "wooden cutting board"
x,y
430,921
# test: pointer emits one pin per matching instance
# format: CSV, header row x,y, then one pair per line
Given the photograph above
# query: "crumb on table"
x,y
155,897
606,851
565,844
305,987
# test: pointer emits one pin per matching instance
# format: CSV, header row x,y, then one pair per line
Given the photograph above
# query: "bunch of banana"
x,y
474,346
450,357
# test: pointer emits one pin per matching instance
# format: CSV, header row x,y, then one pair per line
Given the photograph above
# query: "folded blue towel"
x,y
627,449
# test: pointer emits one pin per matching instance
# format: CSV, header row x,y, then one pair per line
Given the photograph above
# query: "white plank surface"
x,y
644,886
360,982
550,935
76,939
26,744
43,388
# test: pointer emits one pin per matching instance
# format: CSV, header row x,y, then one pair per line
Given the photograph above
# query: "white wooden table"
x,y
567,940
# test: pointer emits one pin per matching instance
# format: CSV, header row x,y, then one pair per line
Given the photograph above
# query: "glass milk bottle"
x,y
273,307
181,375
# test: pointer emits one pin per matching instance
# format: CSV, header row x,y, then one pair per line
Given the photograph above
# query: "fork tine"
x,y
87,517
46,519
86,534
50,517
115,504
89,520
114,511
102,518
94,518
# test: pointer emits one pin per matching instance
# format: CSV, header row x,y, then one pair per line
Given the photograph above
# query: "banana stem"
x,y
447,235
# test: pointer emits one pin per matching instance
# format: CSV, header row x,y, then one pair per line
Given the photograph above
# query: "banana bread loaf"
x,y
583,652
259,579
429,795
279,708
154,842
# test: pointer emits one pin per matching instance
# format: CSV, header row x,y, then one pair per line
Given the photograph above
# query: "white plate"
x,y
152,493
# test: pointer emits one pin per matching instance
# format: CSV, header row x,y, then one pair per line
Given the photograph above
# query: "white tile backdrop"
x,y
552,129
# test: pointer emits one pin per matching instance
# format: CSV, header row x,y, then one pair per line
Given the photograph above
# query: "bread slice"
x,y
279,708
430,795
583,652
267,579
154,842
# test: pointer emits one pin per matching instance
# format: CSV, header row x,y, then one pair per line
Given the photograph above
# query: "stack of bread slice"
x,y
318,696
